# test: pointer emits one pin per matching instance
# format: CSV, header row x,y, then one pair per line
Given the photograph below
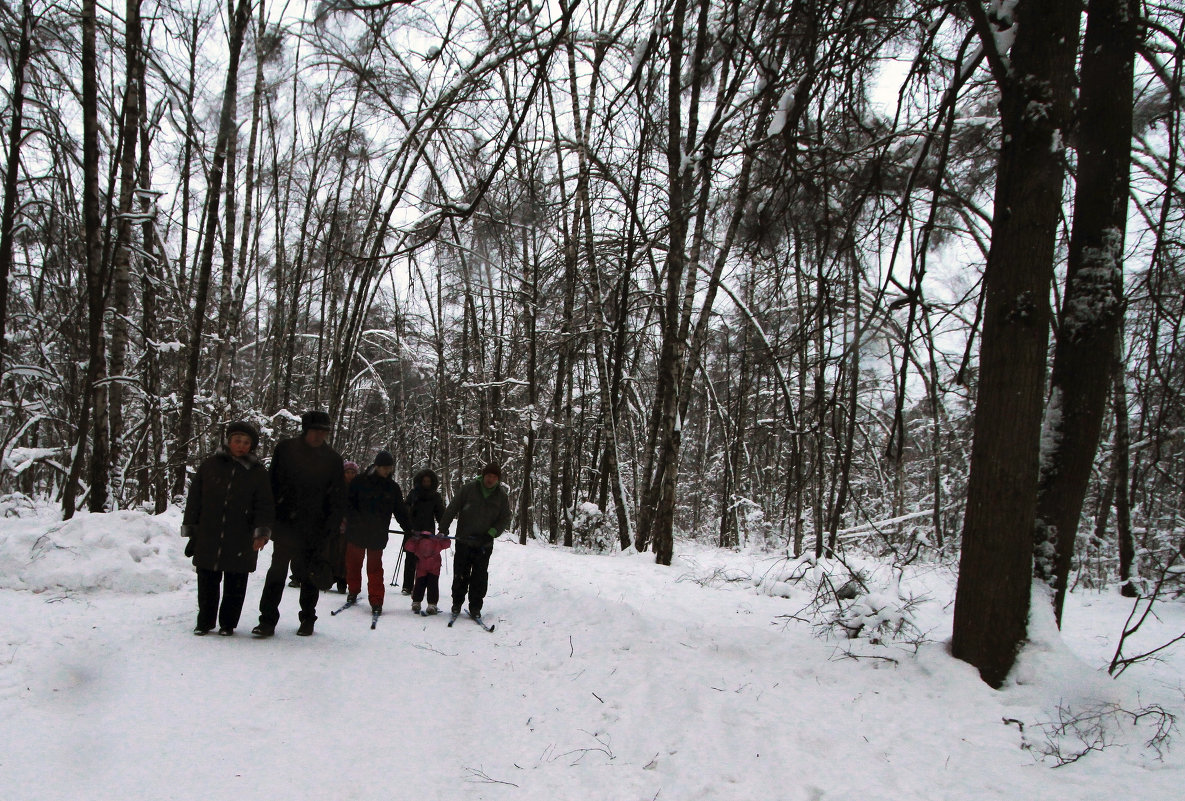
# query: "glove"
x,y
190,547
493,532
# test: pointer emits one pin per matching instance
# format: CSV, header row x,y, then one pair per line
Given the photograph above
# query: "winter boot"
x,y
405,591
226,632
261,631
200,631
415,607
376,610
306,629
352,598
432,610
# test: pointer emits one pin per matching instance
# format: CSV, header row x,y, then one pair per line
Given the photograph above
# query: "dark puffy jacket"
x,y
229,505
426,505
372,501
309,488
476,513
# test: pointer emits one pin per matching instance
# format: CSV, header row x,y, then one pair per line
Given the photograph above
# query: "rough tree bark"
x,y
995,571
92,237
121,261
1093,307
13,172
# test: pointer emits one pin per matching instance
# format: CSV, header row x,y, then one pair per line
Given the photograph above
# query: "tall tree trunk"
x,y
92,237
236,309
157,460
13,172
530,294
995,571
187,157
671,359
205,267
1091,311
1128,570
121,259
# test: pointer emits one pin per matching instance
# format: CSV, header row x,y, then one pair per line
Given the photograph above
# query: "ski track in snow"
x,y
608,677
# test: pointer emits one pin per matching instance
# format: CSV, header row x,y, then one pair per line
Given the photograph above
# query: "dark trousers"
x,y
233,593
471,574
409,569
429,582
284,553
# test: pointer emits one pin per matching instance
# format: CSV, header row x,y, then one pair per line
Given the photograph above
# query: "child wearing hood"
x,y
426,547
426,507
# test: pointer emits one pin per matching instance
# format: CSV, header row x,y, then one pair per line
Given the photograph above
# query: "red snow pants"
x,y
375,588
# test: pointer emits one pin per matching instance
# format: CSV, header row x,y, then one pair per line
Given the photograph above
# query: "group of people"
x,y
325,519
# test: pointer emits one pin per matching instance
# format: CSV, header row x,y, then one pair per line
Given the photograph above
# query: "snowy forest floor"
x,y
608,677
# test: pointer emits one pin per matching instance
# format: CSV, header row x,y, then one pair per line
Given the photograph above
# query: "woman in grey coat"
x,y
228,518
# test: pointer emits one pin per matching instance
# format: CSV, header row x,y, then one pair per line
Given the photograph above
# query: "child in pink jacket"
x,y
426,547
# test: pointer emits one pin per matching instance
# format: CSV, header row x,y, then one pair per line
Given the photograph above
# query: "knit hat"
x,y
350,466
243,427
492,467
315,419
384,459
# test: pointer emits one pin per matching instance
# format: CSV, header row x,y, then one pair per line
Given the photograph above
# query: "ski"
x,y
344,607
374,618
477,619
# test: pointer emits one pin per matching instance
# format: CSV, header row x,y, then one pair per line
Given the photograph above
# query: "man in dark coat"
x,y
308,484
482,512
228,519
427,507
373,499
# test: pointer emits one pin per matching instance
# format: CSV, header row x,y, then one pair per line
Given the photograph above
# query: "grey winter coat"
x,y
229,505
477,513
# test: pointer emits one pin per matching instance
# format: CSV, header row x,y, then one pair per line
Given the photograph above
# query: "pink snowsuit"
x,y
427,549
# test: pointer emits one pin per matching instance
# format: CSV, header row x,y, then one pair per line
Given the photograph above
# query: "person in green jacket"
x,y
482,511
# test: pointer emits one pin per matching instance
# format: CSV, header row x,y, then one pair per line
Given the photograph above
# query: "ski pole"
x,y
398,562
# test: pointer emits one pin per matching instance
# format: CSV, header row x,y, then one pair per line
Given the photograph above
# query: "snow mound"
x,y
128,551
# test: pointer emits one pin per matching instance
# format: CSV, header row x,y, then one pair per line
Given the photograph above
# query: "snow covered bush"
x,y
16,504
589,530
858,602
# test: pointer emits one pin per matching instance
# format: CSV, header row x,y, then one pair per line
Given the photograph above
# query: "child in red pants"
x,y
426,547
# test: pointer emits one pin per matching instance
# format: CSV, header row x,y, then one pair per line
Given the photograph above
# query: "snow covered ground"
x,y
608,677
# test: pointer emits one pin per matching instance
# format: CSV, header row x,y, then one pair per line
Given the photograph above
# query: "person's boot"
x,y
432,610
415,607
306,628
201,631
261,631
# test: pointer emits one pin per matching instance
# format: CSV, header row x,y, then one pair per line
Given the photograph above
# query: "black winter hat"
x,y
384,459
315,419
243,427
492,467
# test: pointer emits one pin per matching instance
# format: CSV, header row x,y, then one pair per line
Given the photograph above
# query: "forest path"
x,y
607,678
